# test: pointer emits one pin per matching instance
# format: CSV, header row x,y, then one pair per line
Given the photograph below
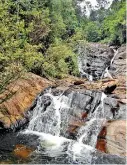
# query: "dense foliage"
x,y
108,25
41,36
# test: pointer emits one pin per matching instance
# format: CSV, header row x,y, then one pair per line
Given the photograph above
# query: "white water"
x,y
116,52
104,96
55,145
48,121
89,77
47,126
99,113
106,72
88,134
50,140
80,151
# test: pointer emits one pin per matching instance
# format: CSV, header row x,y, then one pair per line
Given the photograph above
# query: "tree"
x,y
92,32
60,61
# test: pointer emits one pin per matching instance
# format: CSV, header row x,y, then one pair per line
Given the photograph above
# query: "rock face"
x,y
94,59
116,138
78,107
12,111
118,67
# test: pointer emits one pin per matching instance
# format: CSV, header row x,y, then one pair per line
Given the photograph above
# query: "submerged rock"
x,y
22,151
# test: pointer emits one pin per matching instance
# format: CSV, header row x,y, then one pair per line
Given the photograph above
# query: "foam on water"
x,y
88,134
54,141
48,121
48,124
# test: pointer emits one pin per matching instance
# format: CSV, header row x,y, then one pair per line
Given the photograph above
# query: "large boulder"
x,y
12,111
112,138
116,138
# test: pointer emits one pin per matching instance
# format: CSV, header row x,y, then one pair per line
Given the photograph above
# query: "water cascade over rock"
x,y
95,60
66,121
53,114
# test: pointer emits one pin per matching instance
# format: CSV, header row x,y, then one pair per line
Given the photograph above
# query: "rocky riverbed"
x,y
90,110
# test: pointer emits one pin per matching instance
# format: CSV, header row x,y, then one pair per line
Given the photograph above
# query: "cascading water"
x,y
84,74
46,123
94,64
88,134
106,72
115,53
50,122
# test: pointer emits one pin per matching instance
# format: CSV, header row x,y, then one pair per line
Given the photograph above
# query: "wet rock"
x,y
116,138
101,141
110,89
12,111
78,82
94,59
22,151
119,65
81,105
101,145
102,158
103,132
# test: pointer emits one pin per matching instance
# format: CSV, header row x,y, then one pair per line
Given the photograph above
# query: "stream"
x,y
54,110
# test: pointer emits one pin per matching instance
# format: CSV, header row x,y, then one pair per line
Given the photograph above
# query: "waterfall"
x,y
90,78
99,112
82,72
115,53
48,121
57,119
88,134
106,72
80,66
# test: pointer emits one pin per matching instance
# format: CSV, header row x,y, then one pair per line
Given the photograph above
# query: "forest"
x,y
42,36
63,82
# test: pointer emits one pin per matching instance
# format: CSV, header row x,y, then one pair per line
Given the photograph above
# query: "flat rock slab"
x,y
26,89
116,138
